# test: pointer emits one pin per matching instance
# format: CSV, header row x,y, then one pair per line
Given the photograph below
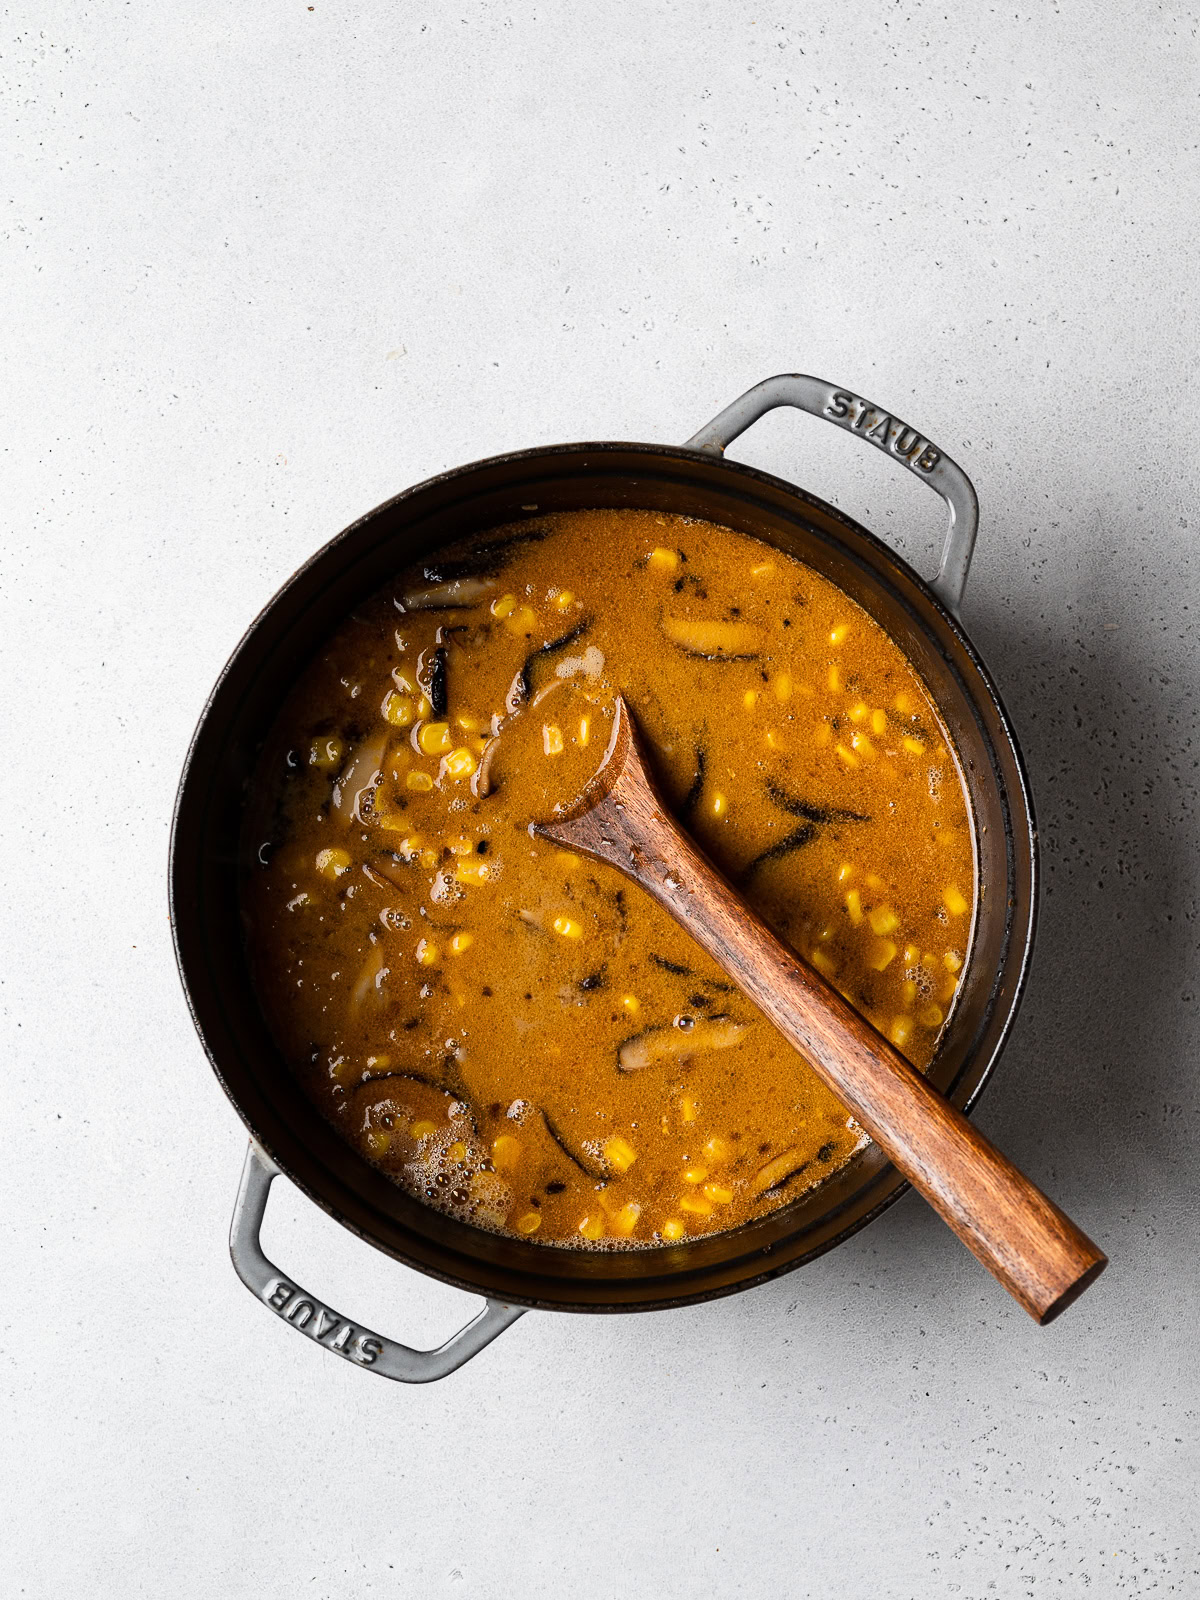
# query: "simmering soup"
x,y
515,1034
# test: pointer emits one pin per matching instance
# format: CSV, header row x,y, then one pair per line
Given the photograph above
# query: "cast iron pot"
x,y
288,1135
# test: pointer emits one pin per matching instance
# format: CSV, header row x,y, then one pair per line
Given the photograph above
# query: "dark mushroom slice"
x,y
822,816
784,847
483,560
455,595
431,675
525,679
581,1159
713,640
777,1172
672,966
692,798
676,1043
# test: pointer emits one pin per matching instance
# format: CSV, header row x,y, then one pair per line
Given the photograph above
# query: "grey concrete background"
x,y
266,264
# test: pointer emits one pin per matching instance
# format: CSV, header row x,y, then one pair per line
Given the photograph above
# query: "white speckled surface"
x,y
266,264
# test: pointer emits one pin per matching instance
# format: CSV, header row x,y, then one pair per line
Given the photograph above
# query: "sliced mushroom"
x,y
777,1171
714,640
360,774
456,594
677,1044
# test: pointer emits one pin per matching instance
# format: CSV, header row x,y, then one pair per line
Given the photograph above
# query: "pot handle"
x,y
327,1327
887,433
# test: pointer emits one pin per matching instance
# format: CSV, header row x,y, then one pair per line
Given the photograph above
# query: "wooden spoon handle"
x,y
1021,1236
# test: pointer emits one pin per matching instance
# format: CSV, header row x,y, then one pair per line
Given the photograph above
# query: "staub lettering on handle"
x,y
885,432
321,1324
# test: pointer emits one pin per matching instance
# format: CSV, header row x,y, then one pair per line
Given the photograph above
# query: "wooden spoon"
x,y
1032,1247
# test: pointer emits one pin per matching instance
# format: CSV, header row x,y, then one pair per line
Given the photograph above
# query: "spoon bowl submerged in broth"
x,y
505,1029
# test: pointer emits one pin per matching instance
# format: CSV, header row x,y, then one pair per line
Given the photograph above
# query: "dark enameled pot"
x,y
288,1134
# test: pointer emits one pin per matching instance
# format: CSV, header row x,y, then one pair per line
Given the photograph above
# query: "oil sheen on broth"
x,y
517,1035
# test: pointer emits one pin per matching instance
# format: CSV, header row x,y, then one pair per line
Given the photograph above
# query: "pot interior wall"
x,y
206,868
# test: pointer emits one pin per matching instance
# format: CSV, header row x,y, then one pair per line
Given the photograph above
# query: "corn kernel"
x,y
783,686
619,1153
954,902
952,961
461,942
879,723
552,739
845,872
859,711
823,963
720,805
506,1153
457,1151
764,569
592,1228
908,992
469,724
695,1174
326,754
563,599
900,1031
332,863
750,699
663,560
424,709
840,634
835,678
529,1222
378,1063
847,756
903,704
427,953
397,709
912,956
474,871
673,1229
631,1003
423,1129
717,1192
462,846
932,1016
882,956
567,927
688,1109
420,781
585,730
410,846
716,1150
874,881
949,989
434,738
854,906
377,1141
624,1221
883,920
403,682
459,764
521,621
862,744
505,606
697,1205
568,858
915,747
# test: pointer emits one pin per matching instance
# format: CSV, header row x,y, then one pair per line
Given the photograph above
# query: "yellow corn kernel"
x,y
567,927
419,780
874,881
427,954
506,1153
717,1192
952,961
847,756
912,956
469,724
883,920
900,1031
750,699
619,1153
398,709
859,711
882,956
915,747
823,963
697,1205
688,1109
840,634
521,621
716,1151
835,678
429,859
423,1129
563,599
949,989
505,606
403,681
332,863
695,1174
552,739
624,1221
424,709
585,730
473,871
663,560
326,754
459,764
461,942
457,1151
954,902
854,906
377,1141
567,858
932,1016
378,1063
461,846
410,846
783,686
673,1229
903,704
879,723
908,992
845,872
434,738
764,569
592,1228
528,1222
862,744
631,1003
720,805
